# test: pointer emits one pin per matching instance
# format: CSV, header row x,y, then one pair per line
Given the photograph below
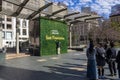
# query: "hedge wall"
x,y
50,32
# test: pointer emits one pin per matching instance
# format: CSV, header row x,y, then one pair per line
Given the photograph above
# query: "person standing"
x,y
100,58
58,45
111,57
91,63
118,63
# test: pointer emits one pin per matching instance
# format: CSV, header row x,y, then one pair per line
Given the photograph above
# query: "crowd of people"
x,y
100,54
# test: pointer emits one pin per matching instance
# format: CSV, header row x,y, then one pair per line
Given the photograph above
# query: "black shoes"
x,y
113,74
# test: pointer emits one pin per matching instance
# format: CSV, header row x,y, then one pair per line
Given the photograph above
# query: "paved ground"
x,y
70,66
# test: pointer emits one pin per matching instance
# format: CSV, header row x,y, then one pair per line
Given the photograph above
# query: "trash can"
x,y
2,55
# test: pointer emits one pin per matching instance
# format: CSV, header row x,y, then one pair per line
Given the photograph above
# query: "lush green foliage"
x,y
48,46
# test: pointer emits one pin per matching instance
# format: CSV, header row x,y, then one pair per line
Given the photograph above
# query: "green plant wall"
x,y
50,32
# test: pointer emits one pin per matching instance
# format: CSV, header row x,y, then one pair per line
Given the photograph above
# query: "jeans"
x,y
119,73
112,67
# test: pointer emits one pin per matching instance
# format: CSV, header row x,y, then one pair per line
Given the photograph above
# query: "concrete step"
x,y
14,55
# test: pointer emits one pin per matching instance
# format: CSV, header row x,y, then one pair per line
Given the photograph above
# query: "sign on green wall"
x,y
52,31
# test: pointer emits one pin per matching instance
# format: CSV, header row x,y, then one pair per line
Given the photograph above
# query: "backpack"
x,y
99,56
111,53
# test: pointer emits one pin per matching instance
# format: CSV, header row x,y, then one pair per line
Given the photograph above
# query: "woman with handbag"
x,y
100,58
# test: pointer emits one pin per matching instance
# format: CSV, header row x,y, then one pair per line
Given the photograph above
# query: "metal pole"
x,y
17,36
1,39
70,33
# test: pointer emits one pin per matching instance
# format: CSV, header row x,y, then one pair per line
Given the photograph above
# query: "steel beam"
x,y
75,21
71,14
56,12
39,10
82,16
20,8
91,18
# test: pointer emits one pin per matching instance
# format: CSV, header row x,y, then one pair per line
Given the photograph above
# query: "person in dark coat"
x,y
118,63
110,58
100,58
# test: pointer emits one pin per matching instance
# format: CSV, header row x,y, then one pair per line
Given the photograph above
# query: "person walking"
x,y
118,63
91,63
110,58
100,58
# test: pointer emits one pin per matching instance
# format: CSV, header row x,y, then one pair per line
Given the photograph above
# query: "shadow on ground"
x,y
57,73
79,59
73,65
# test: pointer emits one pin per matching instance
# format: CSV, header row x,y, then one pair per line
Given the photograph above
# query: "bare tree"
x,y
105,32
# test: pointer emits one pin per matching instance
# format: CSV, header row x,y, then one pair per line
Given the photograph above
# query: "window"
x,y
3,35
9,26
24,32
46,9
24,23
9,19
24,38
3,27
81,37
8,35
18,22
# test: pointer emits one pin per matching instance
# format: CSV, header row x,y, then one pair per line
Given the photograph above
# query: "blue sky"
x,y
102,7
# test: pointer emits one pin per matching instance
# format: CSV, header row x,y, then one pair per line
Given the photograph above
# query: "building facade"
x,y
9,30
115,10
79,34
80,31
9,23
115,16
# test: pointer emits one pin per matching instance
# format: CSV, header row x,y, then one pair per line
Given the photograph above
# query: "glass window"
x,y
3,26
46,9
9,26
24,32
24,38
8,35
18,22
24,23
9,19
3,34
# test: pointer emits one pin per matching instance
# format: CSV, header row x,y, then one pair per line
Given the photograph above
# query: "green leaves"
x,y
53,30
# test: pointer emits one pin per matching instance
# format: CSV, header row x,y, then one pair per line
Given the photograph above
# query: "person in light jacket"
x,y
91,63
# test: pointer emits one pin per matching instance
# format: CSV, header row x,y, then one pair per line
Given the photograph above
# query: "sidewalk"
x,y
70,66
